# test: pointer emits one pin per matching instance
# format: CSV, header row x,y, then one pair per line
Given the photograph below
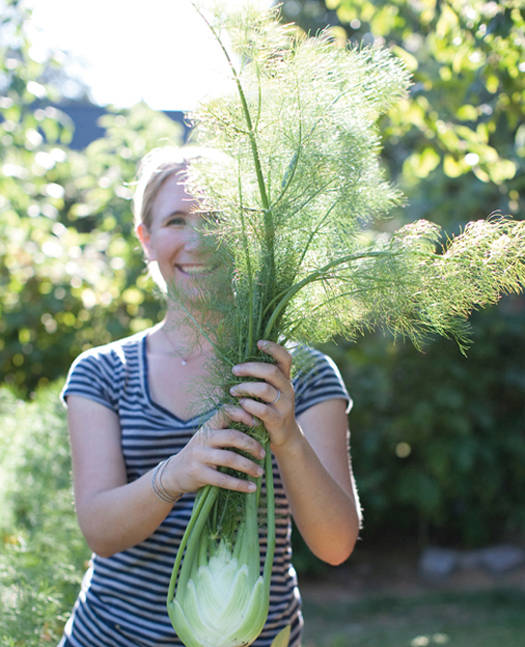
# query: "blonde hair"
x,y
155,168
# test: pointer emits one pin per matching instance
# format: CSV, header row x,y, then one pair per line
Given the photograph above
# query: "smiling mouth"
x,y
194,270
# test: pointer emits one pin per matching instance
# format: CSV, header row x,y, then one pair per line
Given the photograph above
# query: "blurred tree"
x,y
310,15
438,442
71,273
456,145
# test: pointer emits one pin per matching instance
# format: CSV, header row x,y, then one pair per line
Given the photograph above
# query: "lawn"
x,y
493,618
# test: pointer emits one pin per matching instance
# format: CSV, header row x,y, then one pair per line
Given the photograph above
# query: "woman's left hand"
x,y
275,403
314,465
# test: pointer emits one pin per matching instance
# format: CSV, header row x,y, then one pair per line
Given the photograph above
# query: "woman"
x,y
129,410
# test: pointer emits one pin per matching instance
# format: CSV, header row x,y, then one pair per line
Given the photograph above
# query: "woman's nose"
x,y
192,242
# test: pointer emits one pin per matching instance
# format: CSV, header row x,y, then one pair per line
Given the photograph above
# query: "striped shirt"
x,y
123,598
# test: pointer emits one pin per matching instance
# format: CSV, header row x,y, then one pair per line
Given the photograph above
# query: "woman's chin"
x,y
190,291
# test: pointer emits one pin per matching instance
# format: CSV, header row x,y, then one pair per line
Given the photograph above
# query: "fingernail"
x,y
233,390
262,343
235,370
252,486
262,453
259,471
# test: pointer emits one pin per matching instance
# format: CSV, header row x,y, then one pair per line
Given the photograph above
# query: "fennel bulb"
x,y
223,606
222,599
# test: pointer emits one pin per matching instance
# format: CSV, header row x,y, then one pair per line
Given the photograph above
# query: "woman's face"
x,y
172,240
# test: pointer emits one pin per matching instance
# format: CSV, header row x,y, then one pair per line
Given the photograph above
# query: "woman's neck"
x,y
177,335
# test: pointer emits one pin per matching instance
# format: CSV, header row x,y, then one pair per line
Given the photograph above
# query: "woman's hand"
x,y
275,403
114,514
312,457
197,464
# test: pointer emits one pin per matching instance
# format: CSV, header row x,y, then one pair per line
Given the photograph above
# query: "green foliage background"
x,y
438,440
71,275
42,552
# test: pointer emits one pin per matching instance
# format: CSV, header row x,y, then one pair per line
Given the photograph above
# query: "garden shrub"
x,y
437,443
42,552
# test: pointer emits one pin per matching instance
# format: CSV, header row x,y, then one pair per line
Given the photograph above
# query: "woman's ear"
x,y
144,237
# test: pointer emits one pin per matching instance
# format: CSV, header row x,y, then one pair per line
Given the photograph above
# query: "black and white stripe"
x,y
123,597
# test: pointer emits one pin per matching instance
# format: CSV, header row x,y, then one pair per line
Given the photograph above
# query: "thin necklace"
x,y
183,360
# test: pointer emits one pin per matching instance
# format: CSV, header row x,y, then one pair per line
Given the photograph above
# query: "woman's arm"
x,y
312,454
318,480
114,514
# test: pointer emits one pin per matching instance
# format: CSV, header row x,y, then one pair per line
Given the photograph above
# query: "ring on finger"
x,y
277,397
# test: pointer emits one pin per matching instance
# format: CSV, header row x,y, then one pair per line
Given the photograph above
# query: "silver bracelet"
x,y
156,483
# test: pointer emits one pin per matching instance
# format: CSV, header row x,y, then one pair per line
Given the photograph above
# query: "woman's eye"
x,y
176,221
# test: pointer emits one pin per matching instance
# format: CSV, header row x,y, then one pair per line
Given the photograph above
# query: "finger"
x,y
228,482
238,414
219,438
262,390
282,357
219,420
264,411
222,418
224,458
270,373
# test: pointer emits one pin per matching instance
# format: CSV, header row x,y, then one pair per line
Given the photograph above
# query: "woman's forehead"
x,y
172,197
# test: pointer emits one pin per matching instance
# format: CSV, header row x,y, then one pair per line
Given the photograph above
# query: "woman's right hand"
x,y
115,514
197,464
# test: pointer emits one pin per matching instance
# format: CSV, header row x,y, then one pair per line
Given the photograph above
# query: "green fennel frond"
x,y
299,181
302,183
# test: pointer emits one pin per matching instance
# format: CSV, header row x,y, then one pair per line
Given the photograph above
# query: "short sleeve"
x,y
318,381
93,375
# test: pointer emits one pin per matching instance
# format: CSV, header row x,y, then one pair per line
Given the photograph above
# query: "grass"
x,y
493,618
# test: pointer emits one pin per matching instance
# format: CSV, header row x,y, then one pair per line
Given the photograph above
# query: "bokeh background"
x,y
438,442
